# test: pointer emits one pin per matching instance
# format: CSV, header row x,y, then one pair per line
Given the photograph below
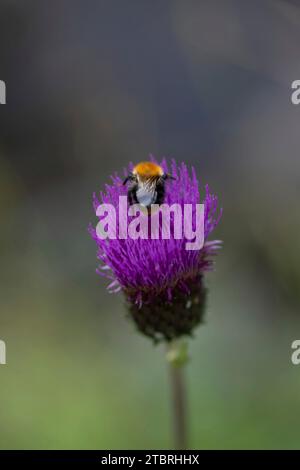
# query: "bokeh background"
x,y
92,85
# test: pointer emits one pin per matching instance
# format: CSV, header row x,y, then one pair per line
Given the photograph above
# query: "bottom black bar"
x,y
136,458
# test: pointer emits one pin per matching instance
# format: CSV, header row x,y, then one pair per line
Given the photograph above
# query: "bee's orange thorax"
x,y
148,170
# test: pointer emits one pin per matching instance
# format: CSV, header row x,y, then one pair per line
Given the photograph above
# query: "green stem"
x,y
177,357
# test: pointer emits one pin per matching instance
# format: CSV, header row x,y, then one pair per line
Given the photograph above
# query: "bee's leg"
x,y
130,177
160,193
167,176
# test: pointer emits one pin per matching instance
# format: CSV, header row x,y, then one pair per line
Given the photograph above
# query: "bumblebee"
x,y
147,184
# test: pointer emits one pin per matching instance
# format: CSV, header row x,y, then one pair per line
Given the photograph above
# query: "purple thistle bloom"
x,y
162,281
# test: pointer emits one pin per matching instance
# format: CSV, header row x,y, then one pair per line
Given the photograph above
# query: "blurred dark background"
x,y
92,85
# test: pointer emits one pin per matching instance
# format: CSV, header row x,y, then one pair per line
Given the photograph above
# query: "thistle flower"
x,y
163,282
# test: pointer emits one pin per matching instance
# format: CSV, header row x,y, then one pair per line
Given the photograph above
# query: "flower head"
x,y
161,279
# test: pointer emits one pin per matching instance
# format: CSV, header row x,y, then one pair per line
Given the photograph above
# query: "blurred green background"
x,y
92,85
